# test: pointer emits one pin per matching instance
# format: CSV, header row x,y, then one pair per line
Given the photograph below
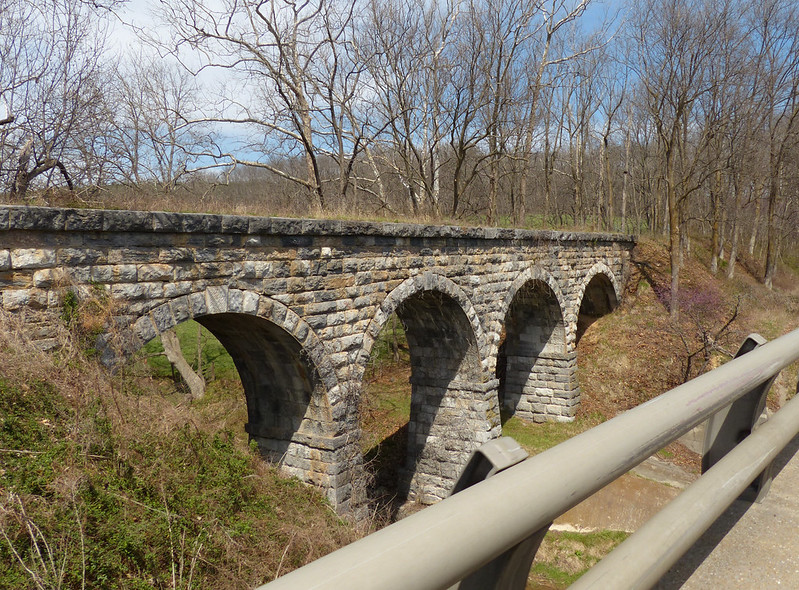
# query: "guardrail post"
x,y
509,570
730,425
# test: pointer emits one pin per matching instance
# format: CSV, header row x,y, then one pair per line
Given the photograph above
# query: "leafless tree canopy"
x,y
670,116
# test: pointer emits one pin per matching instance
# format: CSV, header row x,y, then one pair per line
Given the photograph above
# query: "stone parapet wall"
x,y
321,291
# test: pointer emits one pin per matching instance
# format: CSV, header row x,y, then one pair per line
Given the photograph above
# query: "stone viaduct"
x,y
492,318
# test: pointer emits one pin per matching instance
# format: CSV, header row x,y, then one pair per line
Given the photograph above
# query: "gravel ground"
x,y
752,546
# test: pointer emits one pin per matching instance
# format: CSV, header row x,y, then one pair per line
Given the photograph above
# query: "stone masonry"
x,y
492,318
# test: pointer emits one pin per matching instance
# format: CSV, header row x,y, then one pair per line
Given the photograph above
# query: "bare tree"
x,y
545,52
292,77
506,30
775,39
612,80
53,92
151,140
674,44
411,42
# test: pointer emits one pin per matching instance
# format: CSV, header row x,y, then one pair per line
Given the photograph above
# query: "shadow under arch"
x,y
600,294
285,395
287,382
534,368
453,406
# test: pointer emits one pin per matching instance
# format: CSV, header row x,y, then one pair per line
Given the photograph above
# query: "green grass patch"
x,y
565,556
538,437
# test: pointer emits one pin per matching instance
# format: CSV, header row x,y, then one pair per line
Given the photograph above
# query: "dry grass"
x,y
638,352
112,464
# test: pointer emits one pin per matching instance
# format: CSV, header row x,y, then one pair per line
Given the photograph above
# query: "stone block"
x,y
80,256
47,277
278,313
36,218
183,272
154,272
216,299
235,300
127,291
153,290
175,254
14,299
181,309
167,222
128,221
23,258
144,329
237,224
197,304
102,274
84,220
163,318
249,302
172,290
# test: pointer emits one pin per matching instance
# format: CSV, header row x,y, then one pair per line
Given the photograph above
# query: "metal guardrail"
x,y
486,535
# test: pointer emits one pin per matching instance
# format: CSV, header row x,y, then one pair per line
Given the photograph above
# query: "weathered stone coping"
x,y
106,220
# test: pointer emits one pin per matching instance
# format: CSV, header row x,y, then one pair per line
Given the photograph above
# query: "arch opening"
x,y
289,388
447,415
284,394
599,299
206,357
384,413
533,366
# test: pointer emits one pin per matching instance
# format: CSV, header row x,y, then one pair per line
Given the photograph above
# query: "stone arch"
x,y
453,404
599,293
534,366
534,273
292,392
426,281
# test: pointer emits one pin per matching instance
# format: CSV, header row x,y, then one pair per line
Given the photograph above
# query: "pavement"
x,y
751,546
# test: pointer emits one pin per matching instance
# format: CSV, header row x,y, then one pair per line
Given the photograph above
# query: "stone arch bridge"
x,y
492,318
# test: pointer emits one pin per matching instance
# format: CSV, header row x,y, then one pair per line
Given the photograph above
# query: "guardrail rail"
x,y
486,534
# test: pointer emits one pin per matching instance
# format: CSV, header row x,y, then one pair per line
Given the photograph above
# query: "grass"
x,y
538,437
386,401
106,482
215,362
565,556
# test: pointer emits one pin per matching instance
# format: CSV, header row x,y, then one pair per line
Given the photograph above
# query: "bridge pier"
x,y
442,434
543,387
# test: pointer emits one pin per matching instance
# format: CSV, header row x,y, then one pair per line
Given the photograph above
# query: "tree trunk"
x,y
715,224
173,352
736,229
771,234
674,242
755,224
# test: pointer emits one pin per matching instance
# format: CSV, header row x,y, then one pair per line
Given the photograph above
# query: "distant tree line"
x,y
677,117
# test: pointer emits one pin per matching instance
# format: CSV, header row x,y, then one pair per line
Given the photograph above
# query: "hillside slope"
x,y
111,482
117,481
637,352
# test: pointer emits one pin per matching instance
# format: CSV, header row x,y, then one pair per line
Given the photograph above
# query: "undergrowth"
x,y
564,556
107,485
